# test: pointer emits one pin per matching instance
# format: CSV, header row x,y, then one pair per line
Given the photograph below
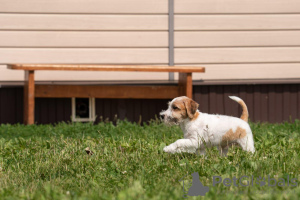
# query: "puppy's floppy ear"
x,y
191,107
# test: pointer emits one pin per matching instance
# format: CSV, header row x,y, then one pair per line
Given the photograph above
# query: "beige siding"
x,y
83,39
85,6
233,39
237,55
249,71
82,22
236,38
237,6
84,31
237,22
84,55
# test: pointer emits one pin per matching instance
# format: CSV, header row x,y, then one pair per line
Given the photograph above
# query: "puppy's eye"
x,y
175,108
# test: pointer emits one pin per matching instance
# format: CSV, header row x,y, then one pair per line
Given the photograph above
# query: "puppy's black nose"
x,y
162,116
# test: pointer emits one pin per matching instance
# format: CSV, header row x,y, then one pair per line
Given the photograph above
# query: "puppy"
x,y
202,130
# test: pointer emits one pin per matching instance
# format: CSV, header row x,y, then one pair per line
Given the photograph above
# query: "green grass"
x,y
49,162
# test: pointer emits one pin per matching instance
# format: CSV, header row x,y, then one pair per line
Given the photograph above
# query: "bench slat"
x,y
132,68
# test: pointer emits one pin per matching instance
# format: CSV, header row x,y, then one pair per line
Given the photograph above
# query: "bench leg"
x,y
185,83
29,97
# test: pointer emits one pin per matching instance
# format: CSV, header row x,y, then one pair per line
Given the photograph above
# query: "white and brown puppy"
x,y
202,130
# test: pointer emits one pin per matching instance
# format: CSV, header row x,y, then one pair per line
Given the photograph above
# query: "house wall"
x,y
236,41
233,39
266,103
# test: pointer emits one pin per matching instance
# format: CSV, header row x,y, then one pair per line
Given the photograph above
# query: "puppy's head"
x,y
179,109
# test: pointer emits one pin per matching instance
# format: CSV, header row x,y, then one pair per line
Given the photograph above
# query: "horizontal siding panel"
x,y
248,71
237,22
82,22
82,39
236,55
84,6
84,55
236,38
213,72
237,6
18,75
10,75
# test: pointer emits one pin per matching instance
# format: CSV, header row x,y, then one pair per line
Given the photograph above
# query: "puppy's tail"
x,y
245,114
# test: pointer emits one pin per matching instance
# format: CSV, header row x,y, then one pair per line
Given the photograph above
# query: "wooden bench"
x,y
184,87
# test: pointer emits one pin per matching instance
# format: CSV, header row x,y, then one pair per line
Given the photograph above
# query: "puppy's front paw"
x,y
169,149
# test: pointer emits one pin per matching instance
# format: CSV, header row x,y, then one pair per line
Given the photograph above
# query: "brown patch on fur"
x,y
231,136
195,116
181,111
191,107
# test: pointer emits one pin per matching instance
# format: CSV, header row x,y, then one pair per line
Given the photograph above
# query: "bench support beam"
x,y
99,91
185,83
29,97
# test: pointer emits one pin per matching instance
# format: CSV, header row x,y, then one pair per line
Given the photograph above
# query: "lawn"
x,y
50,162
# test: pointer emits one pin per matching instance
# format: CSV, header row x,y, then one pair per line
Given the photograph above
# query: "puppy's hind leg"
x,y
201,152
223,150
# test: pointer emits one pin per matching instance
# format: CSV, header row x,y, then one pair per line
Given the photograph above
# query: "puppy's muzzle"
x,y
162,116
168,119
